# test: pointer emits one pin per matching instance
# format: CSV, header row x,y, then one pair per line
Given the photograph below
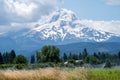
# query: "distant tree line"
x,y
95,58
7,57
11,58
51,54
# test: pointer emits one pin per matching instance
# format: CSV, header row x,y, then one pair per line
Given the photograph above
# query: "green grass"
x,y
104,74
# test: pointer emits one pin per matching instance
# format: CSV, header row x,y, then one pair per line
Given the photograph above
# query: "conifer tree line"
x,y
12,58
7,57
94,58
52,54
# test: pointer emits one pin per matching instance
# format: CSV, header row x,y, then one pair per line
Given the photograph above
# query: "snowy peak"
x,y
58,15
66,15
63,26
60,27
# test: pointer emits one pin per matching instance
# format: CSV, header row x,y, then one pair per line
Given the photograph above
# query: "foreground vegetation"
x,y
50,56
104,74
63,67
44,74
60,74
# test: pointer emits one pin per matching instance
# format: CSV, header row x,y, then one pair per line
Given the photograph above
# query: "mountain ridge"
x,y
64,25
59,28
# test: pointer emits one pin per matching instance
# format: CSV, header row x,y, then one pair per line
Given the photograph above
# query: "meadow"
x,y
43,74
60,74
104,74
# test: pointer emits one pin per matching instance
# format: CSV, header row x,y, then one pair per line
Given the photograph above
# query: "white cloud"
x,y
17,14
108,26
16,27
25,10
20,9
113,2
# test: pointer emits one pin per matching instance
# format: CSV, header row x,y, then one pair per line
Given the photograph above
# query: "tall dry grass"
x,y
44,74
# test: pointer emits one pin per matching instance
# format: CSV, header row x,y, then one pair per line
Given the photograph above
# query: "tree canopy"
x,y
48,54
20,59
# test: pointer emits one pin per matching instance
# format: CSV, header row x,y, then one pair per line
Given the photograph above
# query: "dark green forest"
x,y
49,56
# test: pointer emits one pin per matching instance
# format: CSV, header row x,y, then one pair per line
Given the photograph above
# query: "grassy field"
x,y
60,74
43,74
104,74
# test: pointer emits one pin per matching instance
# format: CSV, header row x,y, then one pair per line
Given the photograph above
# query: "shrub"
x,y
108,64
20,59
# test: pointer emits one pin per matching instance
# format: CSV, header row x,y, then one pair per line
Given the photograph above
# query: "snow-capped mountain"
x,y
62,26
58,28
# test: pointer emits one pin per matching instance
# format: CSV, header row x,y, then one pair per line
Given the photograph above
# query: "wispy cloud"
x,y
113,2
108,26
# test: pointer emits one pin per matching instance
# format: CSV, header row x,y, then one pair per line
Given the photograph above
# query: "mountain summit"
x,y
62,26
58,28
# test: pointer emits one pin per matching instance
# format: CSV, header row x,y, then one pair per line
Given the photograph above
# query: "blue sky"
x,y
94,9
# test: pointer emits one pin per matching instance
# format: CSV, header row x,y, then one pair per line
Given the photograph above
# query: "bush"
x,y
70,65
5,66
71,61
108,64
20,59
20,66
79,63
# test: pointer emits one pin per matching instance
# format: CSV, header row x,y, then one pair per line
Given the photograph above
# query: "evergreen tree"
x,y
38,56
11,56
1,58
103,58
119,55
80,56
70,56
99,55
75,57
115,58
107,56
32,59
65,57
108,64
95,55
6,57
13,53
85,53
87,59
